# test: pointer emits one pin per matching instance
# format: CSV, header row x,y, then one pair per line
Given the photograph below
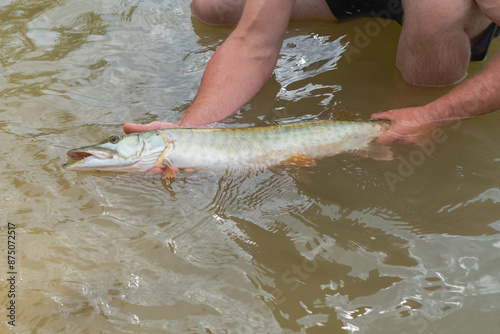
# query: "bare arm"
x,y
240,66
243,63
475,97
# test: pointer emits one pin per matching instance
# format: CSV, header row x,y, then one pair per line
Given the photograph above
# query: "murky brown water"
x,y
352,245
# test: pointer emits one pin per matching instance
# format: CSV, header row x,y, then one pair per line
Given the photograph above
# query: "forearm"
x,y
242,64
236,72
476,97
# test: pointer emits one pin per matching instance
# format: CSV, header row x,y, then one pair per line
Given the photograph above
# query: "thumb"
x,y
382,115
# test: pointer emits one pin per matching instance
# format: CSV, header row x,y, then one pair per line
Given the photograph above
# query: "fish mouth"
x,y
79,155
91,160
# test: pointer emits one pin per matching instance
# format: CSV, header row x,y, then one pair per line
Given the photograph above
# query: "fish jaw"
x,y
132,153
94,158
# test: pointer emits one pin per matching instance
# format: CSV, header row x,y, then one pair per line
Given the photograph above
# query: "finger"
x,y
130,128
382,115
155,170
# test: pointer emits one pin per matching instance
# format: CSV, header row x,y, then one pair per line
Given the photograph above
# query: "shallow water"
x,y
352,245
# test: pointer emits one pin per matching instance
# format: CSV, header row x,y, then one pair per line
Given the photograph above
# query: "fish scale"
x,y
268,145
294,144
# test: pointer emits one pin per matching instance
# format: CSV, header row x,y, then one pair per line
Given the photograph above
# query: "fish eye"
x,y
114,139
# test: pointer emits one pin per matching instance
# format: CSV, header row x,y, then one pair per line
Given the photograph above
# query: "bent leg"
x,y
435,43
219,12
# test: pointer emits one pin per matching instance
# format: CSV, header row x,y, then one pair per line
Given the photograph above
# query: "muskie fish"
x,y
296,144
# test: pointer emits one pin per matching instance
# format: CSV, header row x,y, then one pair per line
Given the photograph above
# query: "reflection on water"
x,y
352,245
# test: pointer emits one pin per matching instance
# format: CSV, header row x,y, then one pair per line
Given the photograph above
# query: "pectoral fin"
x,y
168,173
301,160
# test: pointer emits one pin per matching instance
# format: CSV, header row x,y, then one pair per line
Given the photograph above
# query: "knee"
x,y
438,68
433,51
205,11
216,12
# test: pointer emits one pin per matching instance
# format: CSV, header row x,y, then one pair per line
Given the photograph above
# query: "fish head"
x,y
129,153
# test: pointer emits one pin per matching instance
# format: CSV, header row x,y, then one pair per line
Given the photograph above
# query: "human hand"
x,y
408,125
131,128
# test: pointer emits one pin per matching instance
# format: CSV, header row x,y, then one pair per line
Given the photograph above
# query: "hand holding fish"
x,y
476,97
408,126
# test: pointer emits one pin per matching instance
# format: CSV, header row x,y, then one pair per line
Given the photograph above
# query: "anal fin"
x,y
375,152
301,160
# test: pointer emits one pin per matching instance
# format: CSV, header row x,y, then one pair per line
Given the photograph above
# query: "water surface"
x,y
351,245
